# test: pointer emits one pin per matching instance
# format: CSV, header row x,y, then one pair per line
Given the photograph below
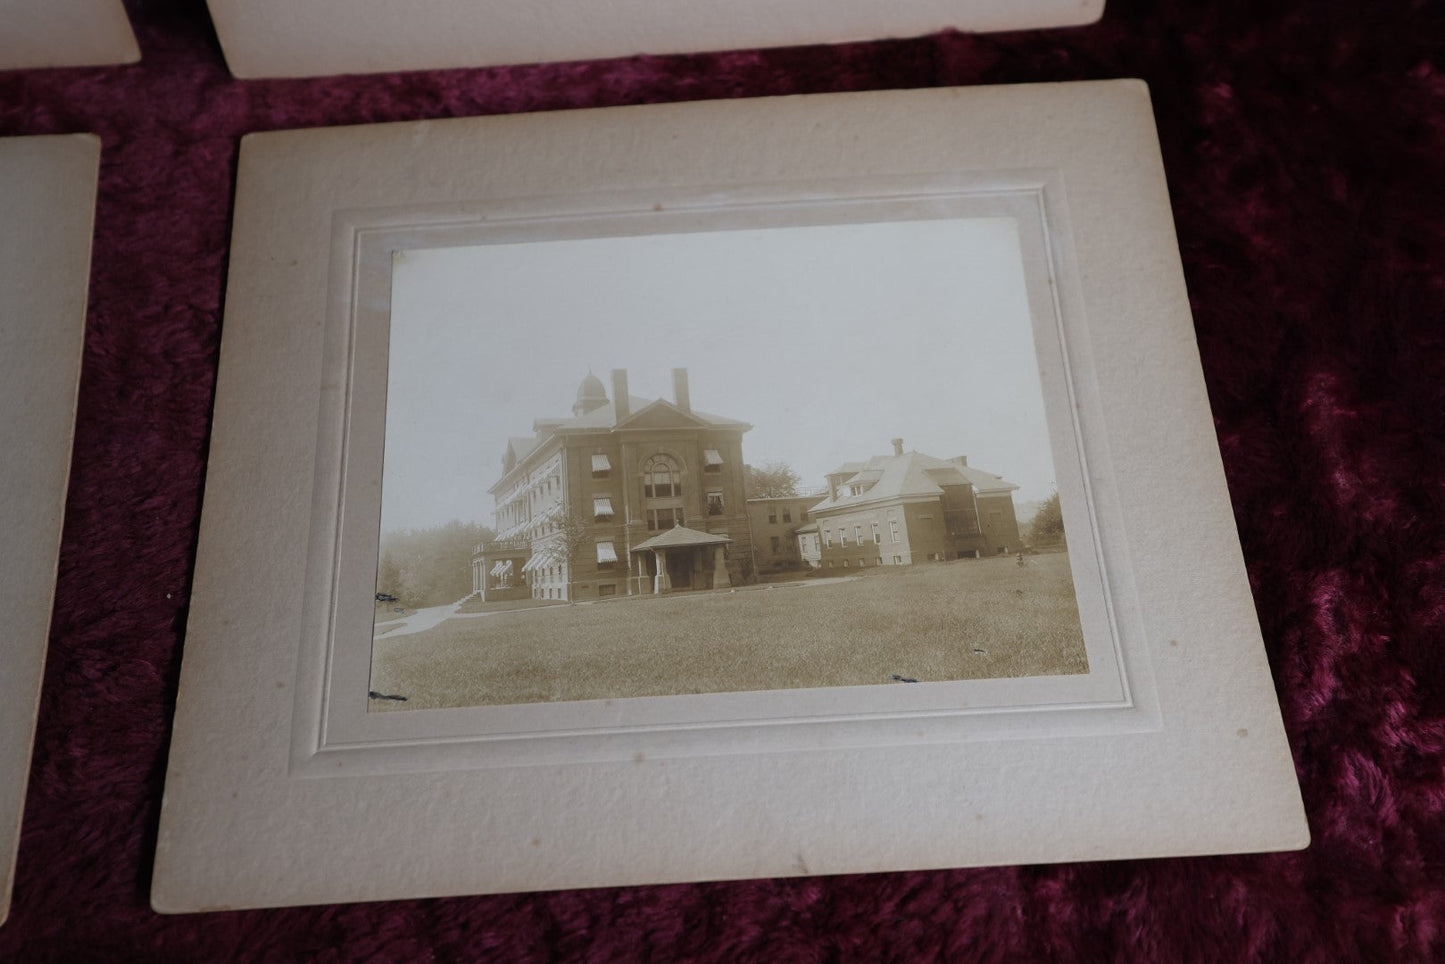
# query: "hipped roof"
x,y
681,537
605,416
911,475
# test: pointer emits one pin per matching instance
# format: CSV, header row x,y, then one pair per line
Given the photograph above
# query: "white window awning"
x,y
601,506
496,570
711,457
531,563
600,464
605,552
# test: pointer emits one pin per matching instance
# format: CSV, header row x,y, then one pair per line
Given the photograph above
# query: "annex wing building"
x,y
904,508
630,495
775,522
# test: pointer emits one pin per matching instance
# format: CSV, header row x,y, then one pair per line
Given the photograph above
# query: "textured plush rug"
x,y
1305,146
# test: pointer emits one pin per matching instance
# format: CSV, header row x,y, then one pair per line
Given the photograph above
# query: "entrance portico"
x,y
683,558
499,570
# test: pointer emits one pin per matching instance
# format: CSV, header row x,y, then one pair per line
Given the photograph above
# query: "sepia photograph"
x,y
503,410
719,461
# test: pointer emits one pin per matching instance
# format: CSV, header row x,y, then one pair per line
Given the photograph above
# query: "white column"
x,y
720,578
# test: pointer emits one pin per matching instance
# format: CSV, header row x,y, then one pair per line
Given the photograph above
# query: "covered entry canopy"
x,y
680,537
686,558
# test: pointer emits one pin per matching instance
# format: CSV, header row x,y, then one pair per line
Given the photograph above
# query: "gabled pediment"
x,y
658,415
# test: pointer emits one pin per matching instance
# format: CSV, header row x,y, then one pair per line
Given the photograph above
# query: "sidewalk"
x,y
420,621
423,619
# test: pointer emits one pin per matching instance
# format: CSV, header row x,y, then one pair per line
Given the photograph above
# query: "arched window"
x,y
661,478
662,493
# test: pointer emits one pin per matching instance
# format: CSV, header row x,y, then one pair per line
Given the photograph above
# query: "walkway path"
x,y
420,621
423,619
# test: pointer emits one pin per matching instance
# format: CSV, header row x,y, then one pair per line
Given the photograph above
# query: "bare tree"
x,y
570,537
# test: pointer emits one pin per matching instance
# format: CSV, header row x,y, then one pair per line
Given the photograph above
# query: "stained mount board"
x,y
283,789
285,38
65,33
47,208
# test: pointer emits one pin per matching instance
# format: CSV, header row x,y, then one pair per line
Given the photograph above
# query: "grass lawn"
x,y
968,619
389,613
475,605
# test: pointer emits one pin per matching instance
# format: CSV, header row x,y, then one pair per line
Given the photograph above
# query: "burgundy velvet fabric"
x,y
1303,142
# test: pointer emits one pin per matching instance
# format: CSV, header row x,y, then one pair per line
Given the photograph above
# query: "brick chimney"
x,y
621,401
679,389
897,446
961,460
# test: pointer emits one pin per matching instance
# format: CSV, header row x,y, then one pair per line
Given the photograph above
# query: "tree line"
x,y
770,480
1047,526
429,567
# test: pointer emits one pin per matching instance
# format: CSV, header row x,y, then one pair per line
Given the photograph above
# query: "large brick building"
x,y
774,521
899,509
630,495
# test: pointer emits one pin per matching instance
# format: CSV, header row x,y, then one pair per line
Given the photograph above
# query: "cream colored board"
x,y
65,33
307,38
47,209
282,789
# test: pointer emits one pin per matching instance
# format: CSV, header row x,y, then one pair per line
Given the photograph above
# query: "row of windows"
x,y
547,582
660,470
863,563
661,490
874,530
603,509
546,525
544,574
533,490
787,515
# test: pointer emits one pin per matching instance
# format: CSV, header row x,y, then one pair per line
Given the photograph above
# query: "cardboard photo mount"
x,y
282,38
282,788
65,33
47,218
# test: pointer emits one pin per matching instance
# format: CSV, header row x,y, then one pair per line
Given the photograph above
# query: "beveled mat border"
x,y
238,829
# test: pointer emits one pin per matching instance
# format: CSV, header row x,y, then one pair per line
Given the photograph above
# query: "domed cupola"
x,y
591,395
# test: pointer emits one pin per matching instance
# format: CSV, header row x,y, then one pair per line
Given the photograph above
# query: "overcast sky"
x,y
829,341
